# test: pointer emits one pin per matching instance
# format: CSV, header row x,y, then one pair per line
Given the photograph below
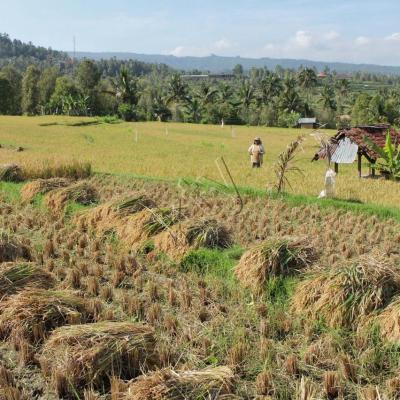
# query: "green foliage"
x,y
390,156
210,261
30,90
126,112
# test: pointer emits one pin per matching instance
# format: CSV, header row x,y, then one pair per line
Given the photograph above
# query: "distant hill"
x,y
219,64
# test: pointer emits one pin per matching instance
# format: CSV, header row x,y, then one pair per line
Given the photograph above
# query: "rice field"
x,y
135,289
115,287
174,151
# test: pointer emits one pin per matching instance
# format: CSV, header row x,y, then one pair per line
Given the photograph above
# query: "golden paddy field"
x,y
172,150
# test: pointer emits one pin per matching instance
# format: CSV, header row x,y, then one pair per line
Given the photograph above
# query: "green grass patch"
x,y
215,262
11,191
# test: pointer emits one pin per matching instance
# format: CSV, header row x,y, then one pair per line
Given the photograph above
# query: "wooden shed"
x,y
349,144
307,123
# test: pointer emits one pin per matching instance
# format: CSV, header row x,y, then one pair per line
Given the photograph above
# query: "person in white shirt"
x,y
256,151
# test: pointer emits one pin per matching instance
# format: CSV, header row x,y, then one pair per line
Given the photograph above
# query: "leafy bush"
x,y
126,112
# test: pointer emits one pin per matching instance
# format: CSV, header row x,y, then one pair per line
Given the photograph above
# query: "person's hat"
x,y
257,139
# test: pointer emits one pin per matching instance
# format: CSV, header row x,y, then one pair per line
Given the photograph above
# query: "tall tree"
x,y
88,76
47,84
177,89
15,80
30,90
5,95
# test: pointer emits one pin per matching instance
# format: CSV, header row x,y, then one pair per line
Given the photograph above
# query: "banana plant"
x,y
390,156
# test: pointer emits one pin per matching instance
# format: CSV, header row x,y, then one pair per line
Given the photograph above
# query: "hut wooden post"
x,y
336,167
359,165
373,169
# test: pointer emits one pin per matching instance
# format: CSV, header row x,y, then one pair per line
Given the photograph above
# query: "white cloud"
x,y
303,39
178,51
269,47
222,44
362,41
394,37
331,35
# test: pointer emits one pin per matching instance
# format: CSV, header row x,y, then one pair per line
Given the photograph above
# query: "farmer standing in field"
x,y
256,151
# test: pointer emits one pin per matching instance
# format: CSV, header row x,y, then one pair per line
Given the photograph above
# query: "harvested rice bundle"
x,y
81,356
81,193
346,295
389,321
167,384
107,216
176,242
10,173
137,229
42,186
14,277
275,257
12,248
29,316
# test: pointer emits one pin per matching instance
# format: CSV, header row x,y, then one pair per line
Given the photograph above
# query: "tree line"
x,y
40,82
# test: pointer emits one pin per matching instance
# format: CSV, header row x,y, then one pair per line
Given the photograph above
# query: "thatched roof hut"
x,y
349,144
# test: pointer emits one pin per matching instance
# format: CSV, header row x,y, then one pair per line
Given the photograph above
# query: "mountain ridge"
x,y
221,64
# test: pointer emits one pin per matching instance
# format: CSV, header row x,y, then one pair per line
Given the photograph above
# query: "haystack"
x,y
388,321
81,356
42,186
81,193
11,173
12,248
137,229
275,257
32,314
346,295
108,216
16,276
167,384
182,238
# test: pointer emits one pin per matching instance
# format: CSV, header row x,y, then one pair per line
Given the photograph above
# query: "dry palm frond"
x,y
344,295
167,384
16,276
42,186
79,356
275,257
30,315
10,173
81,193
12,248
284,164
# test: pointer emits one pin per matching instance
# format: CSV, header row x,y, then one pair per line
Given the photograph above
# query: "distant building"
x,y
322,75
307,123
200,77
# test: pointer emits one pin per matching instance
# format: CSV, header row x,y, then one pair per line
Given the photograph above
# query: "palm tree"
x,y
177,89
246,96
193,110
307,79
327,98
206,94
125,87
269,87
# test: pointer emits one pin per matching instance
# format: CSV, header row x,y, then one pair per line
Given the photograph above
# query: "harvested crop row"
x,y
81,356
42,186
28,317
345,295
275,257
82,193
14,277
193,234
167,384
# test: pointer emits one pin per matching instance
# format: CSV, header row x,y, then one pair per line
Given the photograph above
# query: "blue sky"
x,y
337,30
